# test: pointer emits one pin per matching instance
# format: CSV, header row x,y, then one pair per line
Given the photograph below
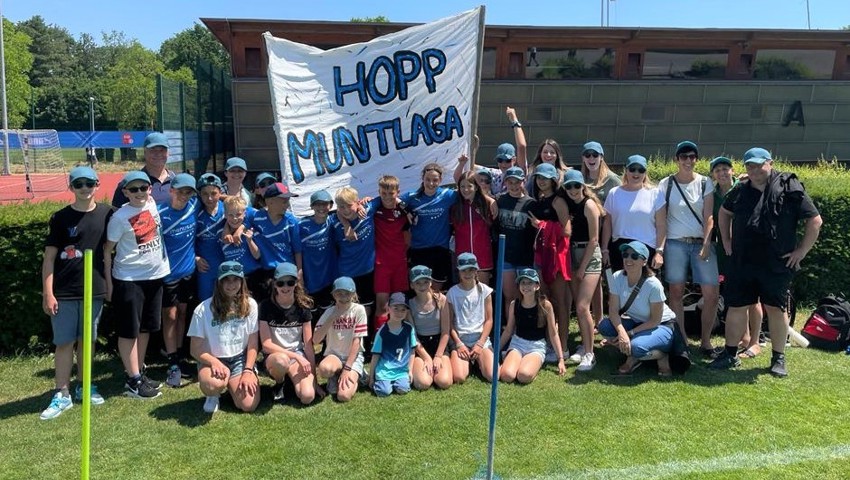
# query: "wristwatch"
x,y
516,124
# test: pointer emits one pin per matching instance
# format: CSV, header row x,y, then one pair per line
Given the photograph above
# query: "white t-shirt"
x,y
632,214
139,251
224,339
346,327
680,221
651,292
468,307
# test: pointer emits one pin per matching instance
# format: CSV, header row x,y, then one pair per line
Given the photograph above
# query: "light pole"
x,y
90,156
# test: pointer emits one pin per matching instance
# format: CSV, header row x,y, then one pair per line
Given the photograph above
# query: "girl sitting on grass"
x,y
432,323
530,318
224,341
472,320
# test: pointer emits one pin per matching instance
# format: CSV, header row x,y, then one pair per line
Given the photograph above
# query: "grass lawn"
x,y
736,424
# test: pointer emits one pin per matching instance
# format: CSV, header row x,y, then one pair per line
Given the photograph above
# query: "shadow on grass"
x,y
26,406
187,413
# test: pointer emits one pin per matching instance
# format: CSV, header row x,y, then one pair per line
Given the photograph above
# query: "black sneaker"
x,y
140,389
187,370
724,361
151,383
279,395
777,367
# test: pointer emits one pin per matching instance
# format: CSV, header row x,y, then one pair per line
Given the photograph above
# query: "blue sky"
x,y
153,21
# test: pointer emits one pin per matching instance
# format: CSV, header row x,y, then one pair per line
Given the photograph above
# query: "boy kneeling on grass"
x,y
392,353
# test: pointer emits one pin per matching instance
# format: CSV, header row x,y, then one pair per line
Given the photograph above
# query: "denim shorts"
x,y
236,364
679,255
595,263
357,366
510,266
469,340
68,322
383,388
525,347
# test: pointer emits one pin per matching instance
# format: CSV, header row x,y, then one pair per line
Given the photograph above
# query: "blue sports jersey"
x,y
178,233
356,257
319,256
207,246
278,243
433,221
241,253
395,350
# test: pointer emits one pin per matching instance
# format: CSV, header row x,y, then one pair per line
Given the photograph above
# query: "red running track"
x,y
52,188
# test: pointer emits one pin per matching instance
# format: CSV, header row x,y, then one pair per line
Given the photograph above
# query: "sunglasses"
x,y
265,183
527,272
230,269
284,283
418,272
687,156
209,180
590,154
573,186
633,255
78,184
637,169
467,262
143,188
485,180
504,160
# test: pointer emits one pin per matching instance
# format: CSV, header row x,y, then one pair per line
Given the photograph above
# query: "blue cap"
x,y
546,170
419,272
134,176
321,196
263,176
515,172
183,180
344,283
686,146
638,247
718,161
594,147
156,139
467,260
285,269
278,189
528,273
757,155
636,160
397,298
486,172
505,151
82,172
208,179
573,176
235,162
230,268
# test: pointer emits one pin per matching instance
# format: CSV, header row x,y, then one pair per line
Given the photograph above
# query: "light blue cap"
x,y
515,172
156,139
546,170
285,269
235,162
527,273
208,179
638,247
467,260
636,160
593,146
135,175
264,176
82,172
505,151
757,155
230,268
573,176
344,283
183,180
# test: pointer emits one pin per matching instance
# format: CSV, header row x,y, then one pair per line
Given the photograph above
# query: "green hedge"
x,y
23,228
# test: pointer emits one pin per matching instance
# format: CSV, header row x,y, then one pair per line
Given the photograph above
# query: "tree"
x,y
129,88
378,19
187,47
19,62
51,50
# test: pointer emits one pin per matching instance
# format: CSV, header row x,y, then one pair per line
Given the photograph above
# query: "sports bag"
x,y
828,328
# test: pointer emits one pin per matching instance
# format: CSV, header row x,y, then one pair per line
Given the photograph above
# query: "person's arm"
x,y
606,239
48,303
560,206
372,366
200,352
108,247
656,310
252,245
724,226
460,167
519,139
660,237
810,236
460,348
322,327
299,262
552,330
623,338
349,376
510,326
485,330
591,213
307,337
445,331
248,381
708,225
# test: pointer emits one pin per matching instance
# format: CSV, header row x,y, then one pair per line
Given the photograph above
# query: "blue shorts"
x,y
236,364
383,388
525,347
678,256
510,266
658,338
68,323
357,366
469,340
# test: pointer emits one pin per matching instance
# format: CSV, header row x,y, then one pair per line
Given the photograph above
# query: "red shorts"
x,y
391,277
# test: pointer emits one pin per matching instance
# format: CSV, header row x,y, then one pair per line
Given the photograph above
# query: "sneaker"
x,y
96,398
277,389
174,378
140,389
588,361
762,339
58,404
211,404
552,357
724,361
333,385
152,383
777,367
186,369
578,356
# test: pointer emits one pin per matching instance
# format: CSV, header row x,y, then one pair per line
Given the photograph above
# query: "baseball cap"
x,y
397,298
529,273
230,268
717,161
285,269
321,196
156,139
636,160
515,172
593,146
208,179
546,170
344,283
486,172
82,172
638,247
278,189
263,176
505,151
573,176
757,155
235,162
686,146
467,260
419,272
134,176
183,180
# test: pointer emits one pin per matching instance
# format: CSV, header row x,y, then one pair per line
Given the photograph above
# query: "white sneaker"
x,y
96,398
588,361
211,404
576,357
58,404
174,378
552,356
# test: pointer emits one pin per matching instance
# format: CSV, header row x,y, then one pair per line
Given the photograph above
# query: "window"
x,y
794,64
684,64
564,63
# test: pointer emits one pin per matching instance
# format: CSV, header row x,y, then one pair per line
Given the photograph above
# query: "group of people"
x,y
380,278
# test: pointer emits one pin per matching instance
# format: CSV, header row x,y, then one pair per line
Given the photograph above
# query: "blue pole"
x,y
497,326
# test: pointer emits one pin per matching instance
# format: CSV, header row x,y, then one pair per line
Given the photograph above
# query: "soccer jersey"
x,y
395,348
278,242
345,327
207,235
73,232
319,256
390,225
432,227
178,233
225,338
356,257
139,251
286,324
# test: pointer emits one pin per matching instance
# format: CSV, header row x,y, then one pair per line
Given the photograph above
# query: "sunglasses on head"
x,y
417,272
208,180
78,184
687,156
637,169
589,154
632,255
231,268
284,283
467,262
142,188
573,186
265,183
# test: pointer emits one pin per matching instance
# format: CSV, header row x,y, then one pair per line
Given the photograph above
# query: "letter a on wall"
x,y
348,115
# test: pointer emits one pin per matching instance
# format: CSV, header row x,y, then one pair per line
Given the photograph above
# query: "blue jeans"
x,y
679,255
383,388
658,338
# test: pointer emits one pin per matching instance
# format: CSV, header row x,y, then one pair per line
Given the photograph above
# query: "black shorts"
x,y
438,259
177,292
430,343
138,306
748,284
365,285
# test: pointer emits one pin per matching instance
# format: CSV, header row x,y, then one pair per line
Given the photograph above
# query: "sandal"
x,y
626,372
748,353
664,370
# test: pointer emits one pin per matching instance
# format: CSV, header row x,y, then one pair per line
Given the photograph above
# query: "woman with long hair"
x,y
472,218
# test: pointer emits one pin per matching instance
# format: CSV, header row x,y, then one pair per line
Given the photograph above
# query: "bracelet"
x,y
605,251
249,370
347,368
478,344
516,124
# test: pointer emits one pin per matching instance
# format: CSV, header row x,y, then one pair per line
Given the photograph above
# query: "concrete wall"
x,y
627,117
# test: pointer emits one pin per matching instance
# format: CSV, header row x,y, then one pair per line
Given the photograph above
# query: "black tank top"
x,y
544,210
526,323
580,231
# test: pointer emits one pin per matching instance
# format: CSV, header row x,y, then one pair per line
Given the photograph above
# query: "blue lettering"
x,y
389,95
340,90
313,146
379,128
430,70
404,77
400,142
347,147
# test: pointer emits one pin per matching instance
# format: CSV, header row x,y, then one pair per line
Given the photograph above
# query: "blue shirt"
x,y
279,242
433,219
242,253
207,234
178,233
395,350
356,257
319,256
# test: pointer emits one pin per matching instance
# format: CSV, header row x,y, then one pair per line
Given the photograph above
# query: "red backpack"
x,y
828,328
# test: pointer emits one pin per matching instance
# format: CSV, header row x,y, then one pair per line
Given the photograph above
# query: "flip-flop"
x,y
747,353
629,372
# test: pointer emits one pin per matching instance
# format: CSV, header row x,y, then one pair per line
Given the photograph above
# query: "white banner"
x,y
348,115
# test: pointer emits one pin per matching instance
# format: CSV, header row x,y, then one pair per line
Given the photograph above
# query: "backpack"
x,y
828,328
